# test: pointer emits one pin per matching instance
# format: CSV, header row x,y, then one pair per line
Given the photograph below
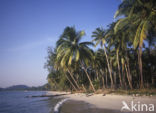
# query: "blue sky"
x,y
28,27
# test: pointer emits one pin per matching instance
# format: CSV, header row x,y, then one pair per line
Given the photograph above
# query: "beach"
x,y
110,103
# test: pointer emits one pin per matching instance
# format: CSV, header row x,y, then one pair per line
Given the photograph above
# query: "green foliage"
x,y
96,83
123,46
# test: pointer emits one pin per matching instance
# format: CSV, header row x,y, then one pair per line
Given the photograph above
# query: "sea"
x,y
22,102
19,102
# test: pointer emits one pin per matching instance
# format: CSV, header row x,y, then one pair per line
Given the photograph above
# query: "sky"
x,y
29,27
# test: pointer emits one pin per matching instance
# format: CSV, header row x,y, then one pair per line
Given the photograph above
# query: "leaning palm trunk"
x,y
73,79
89,79
103,83
97,75
128,77
109,69
71,82
129,72
123,74
106,80
140,66
103,79
119,69
115,81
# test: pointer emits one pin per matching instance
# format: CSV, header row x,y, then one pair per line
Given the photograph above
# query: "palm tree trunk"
x,y
109,69
73,79
140,66
103,79
130,84
129,72
106,80
123,74
153,80
103,83
119,68
115,79
97,75
89,79
71,82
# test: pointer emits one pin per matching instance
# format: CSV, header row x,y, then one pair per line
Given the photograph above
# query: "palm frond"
x,y
137,36
120,24
143,34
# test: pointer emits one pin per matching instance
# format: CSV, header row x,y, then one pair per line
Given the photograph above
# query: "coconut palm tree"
x,y
71,50
119,41
99,38
114,41
52,66
100,65
142,15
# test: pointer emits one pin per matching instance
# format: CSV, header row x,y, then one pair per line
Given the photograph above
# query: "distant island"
x,y
25,87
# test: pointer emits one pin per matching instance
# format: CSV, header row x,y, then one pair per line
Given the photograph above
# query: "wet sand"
x,y
72,106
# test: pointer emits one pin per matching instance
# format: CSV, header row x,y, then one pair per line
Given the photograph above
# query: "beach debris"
x,y
104,94
136,95
90,94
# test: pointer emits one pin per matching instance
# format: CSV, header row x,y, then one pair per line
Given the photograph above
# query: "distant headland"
x,y
25,87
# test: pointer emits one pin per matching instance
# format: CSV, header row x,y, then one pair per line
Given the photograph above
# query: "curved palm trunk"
x,y
119,69
123,74
129,72
103,79
128,77
71,82
103,82
73,79
109,69
97,75
115,81
98,78
106,80
140,66
89,79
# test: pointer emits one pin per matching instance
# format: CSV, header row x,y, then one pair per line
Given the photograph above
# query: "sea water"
x,y
17,102
22,102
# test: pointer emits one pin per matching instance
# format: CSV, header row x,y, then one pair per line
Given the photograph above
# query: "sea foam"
x,y
58,105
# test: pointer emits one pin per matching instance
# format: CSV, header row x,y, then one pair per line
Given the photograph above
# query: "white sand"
x,y
109,101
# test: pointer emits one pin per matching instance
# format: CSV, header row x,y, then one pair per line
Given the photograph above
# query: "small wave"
x,y
58,105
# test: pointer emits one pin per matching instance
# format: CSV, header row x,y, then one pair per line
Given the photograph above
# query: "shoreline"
x,y
108,101
83,107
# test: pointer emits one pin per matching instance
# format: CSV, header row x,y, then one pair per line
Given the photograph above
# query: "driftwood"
x,y
90,94
30,96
